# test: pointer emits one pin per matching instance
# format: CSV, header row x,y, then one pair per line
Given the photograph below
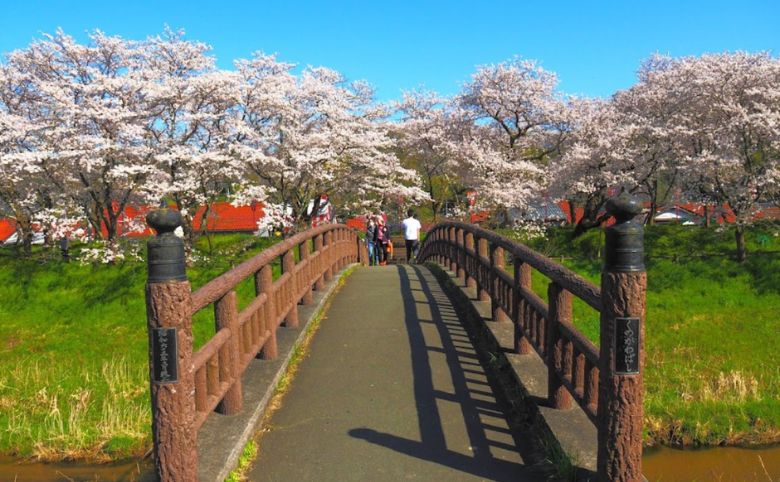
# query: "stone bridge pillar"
x,y
623,286
169,322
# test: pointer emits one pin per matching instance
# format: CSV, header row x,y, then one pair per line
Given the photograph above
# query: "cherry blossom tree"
x,y
725,115
316,133
424,135
517,122
92,100
24,192
623,142
592,161
191,133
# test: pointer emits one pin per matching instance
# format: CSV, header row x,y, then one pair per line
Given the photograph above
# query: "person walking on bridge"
x,y
381,238
412,228
371,228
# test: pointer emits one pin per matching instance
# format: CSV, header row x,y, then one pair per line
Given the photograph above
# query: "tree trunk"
x,y
24,230
706,216
27,237
650,219
739,233
590,216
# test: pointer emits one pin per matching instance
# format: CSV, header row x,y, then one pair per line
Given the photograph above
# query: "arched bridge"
x,y
452,368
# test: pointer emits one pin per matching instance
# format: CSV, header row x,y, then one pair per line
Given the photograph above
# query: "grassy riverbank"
x,y
712,327
73,351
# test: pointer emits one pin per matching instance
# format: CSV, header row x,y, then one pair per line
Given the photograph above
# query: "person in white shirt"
x,y
412,229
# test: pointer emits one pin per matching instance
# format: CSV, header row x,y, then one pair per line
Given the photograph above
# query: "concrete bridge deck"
x,y
392,389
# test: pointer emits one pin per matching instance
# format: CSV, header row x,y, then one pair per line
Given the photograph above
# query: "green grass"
x,y
712,331
244,461
73,351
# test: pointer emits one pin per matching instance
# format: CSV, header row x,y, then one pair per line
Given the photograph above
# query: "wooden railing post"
x,y
343,257
440,236
329,259
264,283
288,266
452,249
169,324
482,282
304,250
362,251
621,359
226,316
469,245
336,233
460,240
559,301
435,238
319,285
522,280
497,263
340,233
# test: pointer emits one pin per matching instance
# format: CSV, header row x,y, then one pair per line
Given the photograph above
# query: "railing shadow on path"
x,y
461,385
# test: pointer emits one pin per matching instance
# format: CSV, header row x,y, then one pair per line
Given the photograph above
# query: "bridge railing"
x,y
478,256
187,387
606,381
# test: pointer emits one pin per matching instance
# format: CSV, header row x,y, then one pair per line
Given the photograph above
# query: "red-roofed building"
x,y
358,223
7,228
224,217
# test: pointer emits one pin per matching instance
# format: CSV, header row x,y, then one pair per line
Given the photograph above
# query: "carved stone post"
x,y
482,254
330,249
264,283
497,263
621,359
362,251
319,285
452,249
560,311
522,280
461,256
169,323
288,266
469,248
304,250
226,316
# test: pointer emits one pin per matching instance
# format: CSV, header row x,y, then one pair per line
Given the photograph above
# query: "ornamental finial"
x,y
164,220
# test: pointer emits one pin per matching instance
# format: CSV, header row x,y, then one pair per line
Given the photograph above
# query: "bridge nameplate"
x,y
165,356
626,360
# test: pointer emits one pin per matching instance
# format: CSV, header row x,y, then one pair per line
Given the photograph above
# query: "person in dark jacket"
x,y
371,240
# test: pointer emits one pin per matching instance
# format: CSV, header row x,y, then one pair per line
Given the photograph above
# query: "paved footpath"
x,y
391,390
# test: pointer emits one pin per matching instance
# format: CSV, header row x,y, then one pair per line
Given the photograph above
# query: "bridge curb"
x,y
222,439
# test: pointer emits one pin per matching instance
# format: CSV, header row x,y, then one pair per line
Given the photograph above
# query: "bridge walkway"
x,y
392,389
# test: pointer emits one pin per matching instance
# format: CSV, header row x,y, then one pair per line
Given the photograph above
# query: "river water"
x,y
659,465
722,464
125,471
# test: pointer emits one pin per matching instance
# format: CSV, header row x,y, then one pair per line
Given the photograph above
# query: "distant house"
x,y
693,213
540,211
545,211
677,214
9,235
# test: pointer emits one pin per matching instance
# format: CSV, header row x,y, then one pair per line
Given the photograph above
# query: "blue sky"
x,y
595,47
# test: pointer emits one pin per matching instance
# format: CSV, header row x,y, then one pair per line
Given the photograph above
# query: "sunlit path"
x,y
392,389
